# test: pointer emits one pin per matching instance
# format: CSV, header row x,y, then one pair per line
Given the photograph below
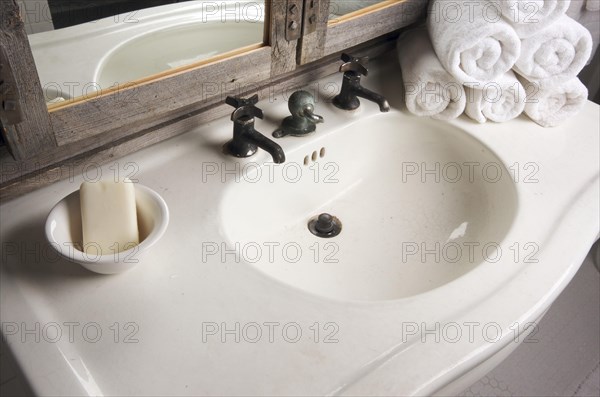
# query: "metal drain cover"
x,y
325,226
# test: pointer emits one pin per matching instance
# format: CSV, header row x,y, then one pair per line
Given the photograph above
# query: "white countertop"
x,y
166,305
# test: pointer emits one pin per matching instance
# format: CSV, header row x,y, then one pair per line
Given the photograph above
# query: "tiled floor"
x,y
564,362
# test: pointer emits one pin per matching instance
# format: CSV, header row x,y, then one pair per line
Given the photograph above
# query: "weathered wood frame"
x,y
124,120
333,36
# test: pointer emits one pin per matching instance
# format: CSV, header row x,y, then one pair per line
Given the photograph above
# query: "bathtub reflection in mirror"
x,y
338,8
84,48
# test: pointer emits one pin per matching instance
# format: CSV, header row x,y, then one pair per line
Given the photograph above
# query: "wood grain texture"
x,y
10,108
33,133
113,125
372,22
125,130
20,177
283,52
312,45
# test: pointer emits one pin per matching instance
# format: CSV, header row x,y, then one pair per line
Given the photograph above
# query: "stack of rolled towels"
x,y
495,59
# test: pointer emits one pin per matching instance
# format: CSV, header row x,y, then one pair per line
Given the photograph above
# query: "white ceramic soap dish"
x,y
63,231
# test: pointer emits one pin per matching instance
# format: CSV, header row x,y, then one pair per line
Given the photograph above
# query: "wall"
x,y
74,12
37,16
587,12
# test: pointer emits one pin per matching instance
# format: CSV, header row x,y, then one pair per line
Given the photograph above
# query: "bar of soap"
x,y
108,216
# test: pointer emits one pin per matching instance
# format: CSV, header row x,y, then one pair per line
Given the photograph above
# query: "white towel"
x,y
556,54
471,48
552,106
500,101
528,17
430,90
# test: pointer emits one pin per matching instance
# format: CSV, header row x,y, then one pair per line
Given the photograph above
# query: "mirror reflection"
x,y
338,8
84,48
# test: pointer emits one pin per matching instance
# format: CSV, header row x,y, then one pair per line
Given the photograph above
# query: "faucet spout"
x,y
246,140
255,138
365,93
353,69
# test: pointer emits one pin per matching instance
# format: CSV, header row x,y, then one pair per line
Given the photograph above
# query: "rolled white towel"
x,y
429,89
556,54
552,106
468,44
528,17
500,101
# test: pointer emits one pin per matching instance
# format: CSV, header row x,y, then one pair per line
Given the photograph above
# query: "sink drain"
x,y
325,226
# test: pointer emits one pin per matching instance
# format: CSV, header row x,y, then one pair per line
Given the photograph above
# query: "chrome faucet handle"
x,y
303,120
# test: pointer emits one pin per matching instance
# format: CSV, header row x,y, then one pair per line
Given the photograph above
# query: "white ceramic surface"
x,y
191,313
166,49
63,231
112,52
373,178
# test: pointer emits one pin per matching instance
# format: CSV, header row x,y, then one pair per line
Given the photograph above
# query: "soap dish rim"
x,y
101,263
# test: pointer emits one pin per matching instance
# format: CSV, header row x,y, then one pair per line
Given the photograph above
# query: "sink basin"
x,y
165,49
437,196
363,304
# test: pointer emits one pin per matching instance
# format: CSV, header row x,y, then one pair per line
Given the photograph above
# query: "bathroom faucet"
x,y
353,69
246,140
303,120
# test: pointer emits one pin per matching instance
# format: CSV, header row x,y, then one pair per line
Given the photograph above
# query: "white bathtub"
x,y
88,58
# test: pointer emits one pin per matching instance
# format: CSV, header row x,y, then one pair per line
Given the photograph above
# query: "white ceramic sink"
x,y
374,178
87,58
366,323
172,47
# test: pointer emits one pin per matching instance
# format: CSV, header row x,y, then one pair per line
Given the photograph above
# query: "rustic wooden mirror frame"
x,y
43,142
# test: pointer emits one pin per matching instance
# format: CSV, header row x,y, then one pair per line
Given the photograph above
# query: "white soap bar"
x,y
108,216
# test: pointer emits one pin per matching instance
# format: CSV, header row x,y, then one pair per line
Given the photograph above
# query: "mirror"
x,y
338,8
84,49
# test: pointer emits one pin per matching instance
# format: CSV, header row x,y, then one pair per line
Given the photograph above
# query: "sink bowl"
x,y
161,50
421,204
216,285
